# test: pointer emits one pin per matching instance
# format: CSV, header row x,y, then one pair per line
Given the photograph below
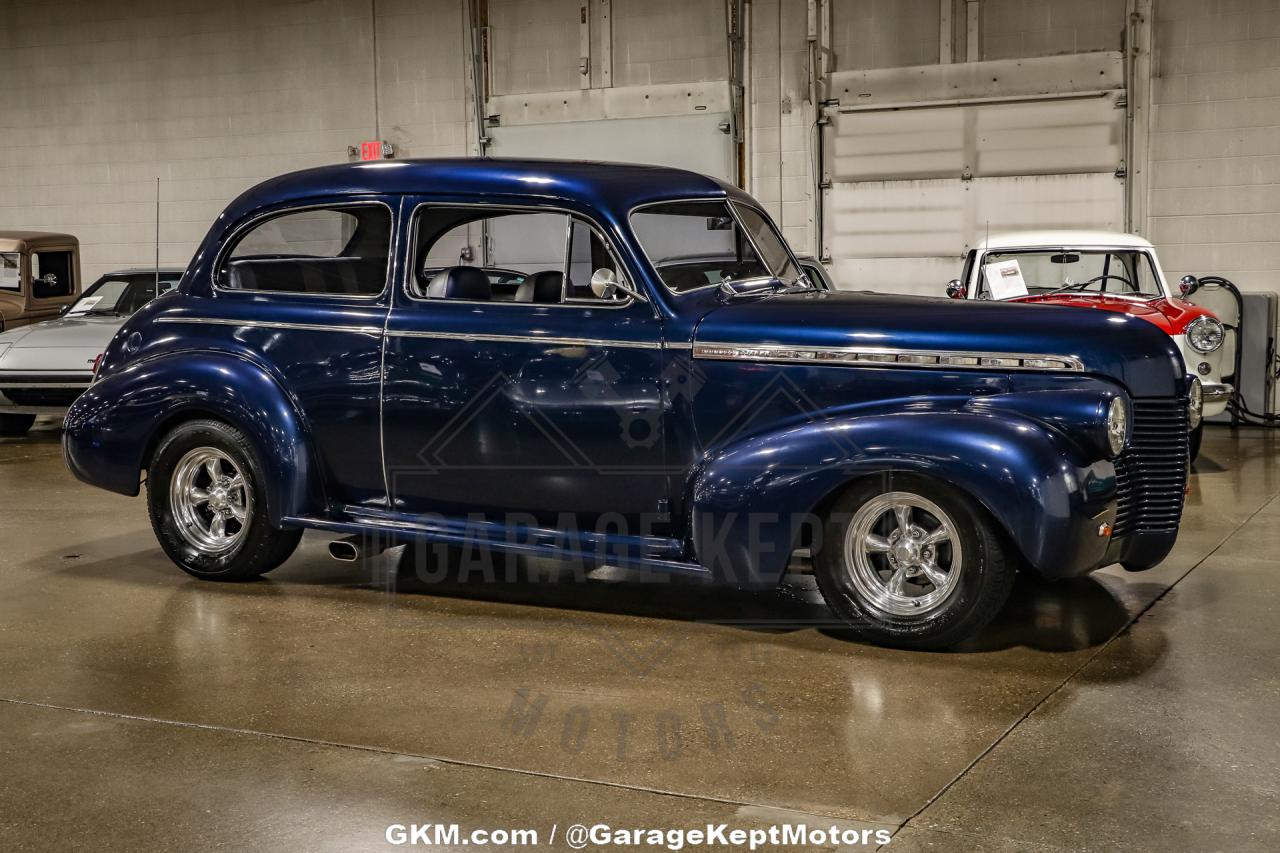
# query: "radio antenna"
x,y
157,290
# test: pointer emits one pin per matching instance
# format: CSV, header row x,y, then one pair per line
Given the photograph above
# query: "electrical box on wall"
x,y
375,149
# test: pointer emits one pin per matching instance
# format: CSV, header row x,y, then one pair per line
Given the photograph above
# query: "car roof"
x,y
619,185
17,241
1062,239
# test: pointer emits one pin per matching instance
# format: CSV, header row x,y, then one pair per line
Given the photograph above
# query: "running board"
x,y
659,554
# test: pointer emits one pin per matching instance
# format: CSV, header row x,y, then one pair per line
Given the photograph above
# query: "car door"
x,y
544,410
307,288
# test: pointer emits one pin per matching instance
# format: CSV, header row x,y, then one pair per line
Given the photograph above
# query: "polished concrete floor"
x,y
143,710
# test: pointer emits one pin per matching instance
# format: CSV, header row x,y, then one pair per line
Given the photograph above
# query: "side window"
x,y
11,271
340,251
51,274
593,271
509,256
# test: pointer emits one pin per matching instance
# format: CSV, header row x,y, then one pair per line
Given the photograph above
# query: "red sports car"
x,y
1104,270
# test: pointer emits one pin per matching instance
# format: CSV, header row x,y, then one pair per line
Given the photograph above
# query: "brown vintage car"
x,y
39,276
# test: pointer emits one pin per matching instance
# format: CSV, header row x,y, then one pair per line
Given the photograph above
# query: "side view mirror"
x,y
604,284
63,310
956,290
49,278
1188,285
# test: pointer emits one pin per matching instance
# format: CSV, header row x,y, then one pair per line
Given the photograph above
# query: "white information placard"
x,y
10,273
1004,278
85,305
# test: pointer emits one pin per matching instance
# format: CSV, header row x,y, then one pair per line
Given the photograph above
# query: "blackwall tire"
x,y
13,426
927,578
208,506
1197,436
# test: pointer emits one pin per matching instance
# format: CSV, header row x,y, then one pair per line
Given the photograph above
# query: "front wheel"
x,y
12,426
908,561
208,506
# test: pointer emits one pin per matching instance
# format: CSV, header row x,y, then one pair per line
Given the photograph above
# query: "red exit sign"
x,y
374,150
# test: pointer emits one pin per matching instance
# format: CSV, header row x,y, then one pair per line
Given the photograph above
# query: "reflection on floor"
x,y
146,710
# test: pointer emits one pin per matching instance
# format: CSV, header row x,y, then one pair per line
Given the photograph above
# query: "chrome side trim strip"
x,y
402,333
273,324
525,339
875,356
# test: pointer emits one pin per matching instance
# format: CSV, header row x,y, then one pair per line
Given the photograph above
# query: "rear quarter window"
x,y
319,251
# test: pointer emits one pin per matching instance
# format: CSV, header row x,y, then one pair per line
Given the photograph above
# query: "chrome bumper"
x,y
1216,392
28,381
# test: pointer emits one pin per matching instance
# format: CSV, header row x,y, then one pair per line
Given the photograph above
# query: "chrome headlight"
x,y
1117,425
1205,334
1195,406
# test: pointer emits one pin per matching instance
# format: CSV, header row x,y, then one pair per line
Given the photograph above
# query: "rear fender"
x,y
114,425
751,500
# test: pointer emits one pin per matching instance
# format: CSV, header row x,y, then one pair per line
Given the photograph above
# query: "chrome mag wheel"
x,y
902,554
211,501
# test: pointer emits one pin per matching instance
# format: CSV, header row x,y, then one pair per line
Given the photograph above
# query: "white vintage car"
x,y
45,366
1110,271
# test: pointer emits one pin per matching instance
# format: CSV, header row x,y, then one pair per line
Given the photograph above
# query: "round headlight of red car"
x,y
1205,334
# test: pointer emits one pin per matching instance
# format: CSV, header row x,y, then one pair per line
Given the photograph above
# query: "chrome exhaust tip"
x,y
344,550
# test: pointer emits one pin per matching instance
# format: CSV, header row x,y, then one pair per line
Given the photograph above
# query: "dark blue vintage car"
x,y
624,365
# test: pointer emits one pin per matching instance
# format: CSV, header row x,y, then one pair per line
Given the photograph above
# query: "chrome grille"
x,y
1151,474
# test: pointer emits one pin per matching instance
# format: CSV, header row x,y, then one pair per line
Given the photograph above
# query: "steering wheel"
x,y
1083,284
1105,276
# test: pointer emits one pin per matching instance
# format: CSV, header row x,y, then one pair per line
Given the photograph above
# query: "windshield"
x,y
696,244
1007,275
121,295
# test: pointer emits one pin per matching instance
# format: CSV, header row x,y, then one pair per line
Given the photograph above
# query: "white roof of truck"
x,y
1062,239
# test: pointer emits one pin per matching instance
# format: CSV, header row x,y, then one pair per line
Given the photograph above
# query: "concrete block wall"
x,y
1214,158
669,41
211,96
535,45
884,33
781,119
100,99
424,103
1015,29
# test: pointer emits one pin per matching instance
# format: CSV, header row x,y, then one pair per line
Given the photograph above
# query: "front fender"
x,y
751,500
112,426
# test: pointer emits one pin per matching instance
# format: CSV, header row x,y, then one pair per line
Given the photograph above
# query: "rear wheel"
x,y
908,561
208,506
15,425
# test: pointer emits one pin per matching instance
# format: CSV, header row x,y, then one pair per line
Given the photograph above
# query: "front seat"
x,y
459,283
542,287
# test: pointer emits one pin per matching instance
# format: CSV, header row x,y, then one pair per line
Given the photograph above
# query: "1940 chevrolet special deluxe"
x,y
558,359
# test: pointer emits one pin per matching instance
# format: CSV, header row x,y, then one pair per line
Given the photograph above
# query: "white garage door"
x,y
911,189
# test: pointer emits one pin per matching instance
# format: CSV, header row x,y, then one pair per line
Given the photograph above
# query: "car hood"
x,y
1132,351
1172,315
64,344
